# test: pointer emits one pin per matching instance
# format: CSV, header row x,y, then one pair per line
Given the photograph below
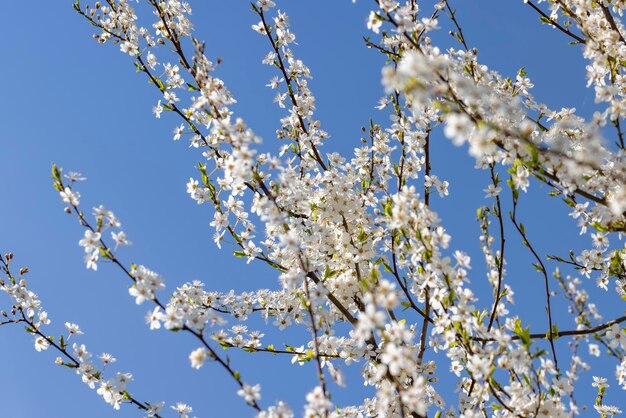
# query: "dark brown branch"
x,y
556,24
544,272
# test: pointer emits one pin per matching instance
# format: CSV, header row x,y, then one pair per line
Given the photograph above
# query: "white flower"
x,y
599,382
607,410
90,241
73,329
81,352
91,259
153,318
41,344
129,48
458,127
456,367
154,408
250,393
120,238
107,358
492,191
74,176
157,110
170,97
171,318
616,336
374,22
178,131
265,5
110,393
182,409
198,357
70,196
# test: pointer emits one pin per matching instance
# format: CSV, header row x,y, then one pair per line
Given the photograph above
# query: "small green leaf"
x,y
524,334
56,172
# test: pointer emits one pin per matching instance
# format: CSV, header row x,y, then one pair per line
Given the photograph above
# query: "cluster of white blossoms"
x,y
364,263
26,309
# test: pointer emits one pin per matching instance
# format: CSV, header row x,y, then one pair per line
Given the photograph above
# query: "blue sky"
x,y
69,100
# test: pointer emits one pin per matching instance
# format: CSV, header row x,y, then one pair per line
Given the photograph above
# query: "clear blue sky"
x,y
68,100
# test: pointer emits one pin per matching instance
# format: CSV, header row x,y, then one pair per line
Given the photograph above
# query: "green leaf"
x,y
104,253
328,273
56,172
524,334
599,227
555,331
387,208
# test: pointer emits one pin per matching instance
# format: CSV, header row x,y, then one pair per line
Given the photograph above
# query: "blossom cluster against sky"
x,y
81,105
